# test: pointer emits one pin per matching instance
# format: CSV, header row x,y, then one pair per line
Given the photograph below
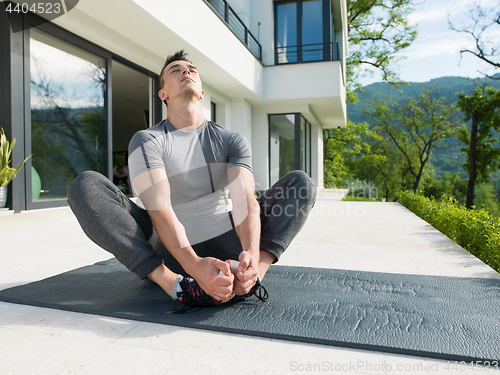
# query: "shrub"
x,y
475,230
360,190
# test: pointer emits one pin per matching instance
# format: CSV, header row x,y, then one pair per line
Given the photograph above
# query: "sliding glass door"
x,y
67,112
289,145
68,118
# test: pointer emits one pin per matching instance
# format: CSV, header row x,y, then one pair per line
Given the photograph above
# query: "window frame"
x,y
213,112
297,149
77,41
327,26
67,36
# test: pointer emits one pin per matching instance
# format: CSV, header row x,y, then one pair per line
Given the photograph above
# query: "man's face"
x,y
181,79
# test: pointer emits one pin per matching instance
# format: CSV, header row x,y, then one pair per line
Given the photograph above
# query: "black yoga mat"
x,y
440,317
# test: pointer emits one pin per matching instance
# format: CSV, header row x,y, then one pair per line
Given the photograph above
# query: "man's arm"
x,y
153,189
246,217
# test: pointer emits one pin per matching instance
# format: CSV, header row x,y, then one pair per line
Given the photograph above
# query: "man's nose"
x,y
186,71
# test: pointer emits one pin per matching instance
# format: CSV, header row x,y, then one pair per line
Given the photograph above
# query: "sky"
x,y
436,51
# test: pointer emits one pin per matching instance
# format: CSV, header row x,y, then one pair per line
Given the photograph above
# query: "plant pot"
x,y
3,196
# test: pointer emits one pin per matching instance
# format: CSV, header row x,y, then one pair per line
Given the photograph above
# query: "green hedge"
x,y
474,230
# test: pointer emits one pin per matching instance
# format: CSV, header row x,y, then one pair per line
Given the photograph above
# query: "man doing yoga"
x,y
194,179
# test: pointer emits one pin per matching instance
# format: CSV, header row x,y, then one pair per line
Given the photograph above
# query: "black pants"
x,y
124,229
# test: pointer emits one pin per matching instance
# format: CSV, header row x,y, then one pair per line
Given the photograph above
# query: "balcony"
x,y
236,25
307,53
318,83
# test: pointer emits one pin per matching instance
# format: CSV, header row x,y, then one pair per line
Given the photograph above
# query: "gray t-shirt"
x,y
196,164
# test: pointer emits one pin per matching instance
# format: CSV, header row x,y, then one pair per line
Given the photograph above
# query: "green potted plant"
x,y
7,174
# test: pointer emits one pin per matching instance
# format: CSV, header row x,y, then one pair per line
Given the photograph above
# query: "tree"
x,y
486,198
339,146
380,163
483,30
482,108
415,127
451,185
355,154
378,30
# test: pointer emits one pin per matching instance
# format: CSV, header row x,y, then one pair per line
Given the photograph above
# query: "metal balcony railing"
x,y
236,25
307,53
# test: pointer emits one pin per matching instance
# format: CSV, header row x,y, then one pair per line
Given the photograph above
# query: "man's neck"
x,y
185,116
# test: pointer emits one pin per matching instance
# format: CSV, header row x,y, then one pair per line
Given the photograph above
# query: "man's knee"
x,y
83,184
298,177
305,187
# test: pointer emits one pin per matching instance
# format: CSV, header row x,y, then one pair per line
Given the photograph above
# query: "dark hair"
x,y
179,55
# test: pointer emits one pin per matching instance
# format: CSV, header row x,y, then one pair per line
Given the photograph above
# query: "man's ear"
x,y
202,95
162,95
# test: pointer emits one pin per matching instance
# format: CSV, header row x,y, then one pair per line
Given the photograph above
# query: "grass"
x,y
351,198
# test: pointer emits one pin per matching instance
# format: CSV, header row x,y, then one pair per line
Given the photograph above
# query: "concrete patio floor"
x,y
381,237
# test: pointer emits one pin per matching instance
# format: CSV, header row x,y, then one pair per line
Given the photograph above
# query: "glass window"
x,y
68,125
286,32
282,145
213,111
300,29
308,148
312,30
286,152
307,145
302,143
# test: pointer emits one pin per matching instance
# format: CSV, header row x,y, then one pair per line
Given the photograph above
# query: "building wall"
x,y
317,167
260,142
242,9
144,33
12,102
246,91
262,12
223,106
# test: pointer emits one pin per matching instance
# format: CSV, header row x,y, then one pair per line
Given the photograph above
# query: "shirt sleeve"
x,y
144,153
240,153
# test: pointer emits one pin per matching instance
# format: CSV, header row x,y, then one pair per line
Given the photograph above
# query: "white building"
x,y
74,90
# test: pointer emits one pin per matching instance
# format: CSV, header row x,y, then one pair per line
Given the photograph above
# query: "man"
x,y
121,178
183,171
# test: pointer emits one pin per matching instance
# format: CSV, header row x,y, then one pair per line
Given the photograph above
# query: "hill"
x,y
448,86
449,157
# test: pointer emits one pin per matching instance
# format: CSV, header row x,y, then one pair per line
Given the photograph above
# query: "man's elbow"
x,y
245,208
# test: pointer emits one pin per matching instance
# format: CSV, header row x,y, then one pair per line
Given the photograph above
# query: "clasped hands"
x,y
221,287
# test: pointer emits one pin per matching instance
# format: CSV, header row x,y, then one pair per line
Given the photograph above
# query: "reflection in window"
x,y
286,152
282,145
300,31
68,126
312,30
286,32
302,143
308,143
